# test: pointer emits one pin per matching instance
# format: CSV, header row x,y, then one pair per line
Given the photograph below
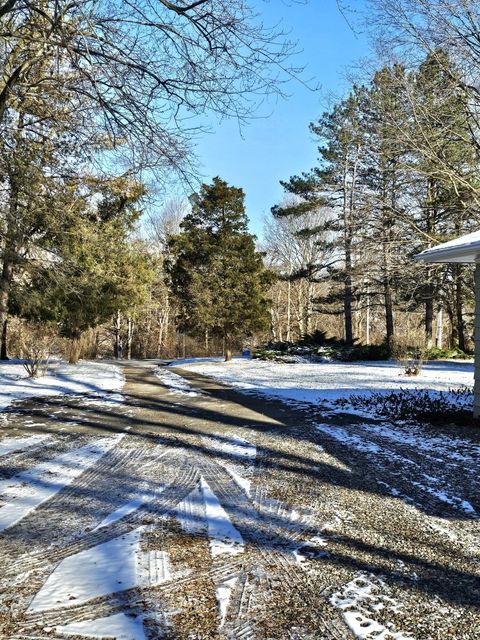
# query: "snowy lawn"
x,y
84,377
330,381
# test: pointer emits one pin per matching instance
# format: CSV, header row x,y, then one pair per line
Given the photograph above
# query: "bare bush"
x,y
410,362
36,348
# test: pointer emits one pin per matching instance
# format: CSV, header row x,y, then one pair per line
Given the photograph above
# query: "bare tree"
x,y
299,258
413,29
165,222
137,71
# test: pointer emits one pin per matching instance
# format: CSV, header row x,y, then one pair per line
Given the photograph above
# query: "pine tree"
x,y
447,183
333,184
216,274
384,184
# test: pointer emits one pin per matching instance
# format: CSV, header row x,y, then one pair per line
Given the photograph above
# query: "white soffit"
x,y
463,249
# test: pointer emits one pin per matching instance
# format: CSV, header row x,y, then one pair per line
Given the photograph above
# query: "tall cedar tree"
x,y
216,274
94,269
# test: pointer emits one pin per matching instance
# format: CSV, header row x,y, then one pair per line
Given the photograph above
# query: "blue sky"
x,y
274,148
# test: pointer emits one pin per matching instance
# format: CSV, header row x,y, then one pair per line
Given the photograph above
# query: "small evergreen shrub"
x,y
369,352
422,405
446,354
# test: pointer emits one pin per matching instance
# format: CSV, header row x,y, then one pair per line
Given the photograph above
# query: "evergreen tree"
x,y
446,166
216,274
92,270
384,185
333,184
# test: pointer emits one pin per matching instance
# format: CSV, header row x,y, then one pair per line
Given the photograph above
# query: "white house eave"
x,y
469,253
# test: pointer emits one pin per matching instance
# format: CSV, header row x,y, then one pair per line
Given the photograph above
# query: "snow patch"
x,y
11,445
201,512
242,482
224,537
440,494
348,438
112,566
27,490
175,383
191,512
84,377
224,594
455,449
361,601
122,511
238,448
311,549
119,626
313,383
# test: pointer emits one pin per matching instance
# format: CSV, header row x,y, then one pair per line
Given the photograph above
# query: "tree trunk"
x,y
429,317
431,216
5,284
96,344
206,341
164,318
309,311
388,313
453,326
118,342
130,327
289,310
274,323
3,346
367,317
439,334
347,246
387,289
74,350
13,238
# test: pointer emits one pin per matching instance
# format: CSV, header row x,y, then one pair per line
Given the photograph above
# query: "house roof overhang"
x,y
463,250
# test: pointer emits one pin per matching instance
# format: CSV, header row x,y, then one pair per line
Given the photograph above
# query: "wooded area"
x,y
397,173
96,101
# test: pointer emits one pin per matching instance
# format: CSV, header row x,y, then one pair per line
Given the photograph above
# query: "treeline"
x,y
398,172
191,282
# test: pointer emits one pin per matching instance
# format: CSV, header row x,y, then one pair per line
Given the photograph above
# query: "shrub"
x,y
445,354
319,339
318,347
410,361
417,404
369,352
36,350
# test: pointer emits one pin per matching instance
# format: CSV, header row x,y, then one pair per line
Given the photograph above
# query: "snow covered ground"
x,y
175,383
27,490
84,377
330,381
209,503
360,601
